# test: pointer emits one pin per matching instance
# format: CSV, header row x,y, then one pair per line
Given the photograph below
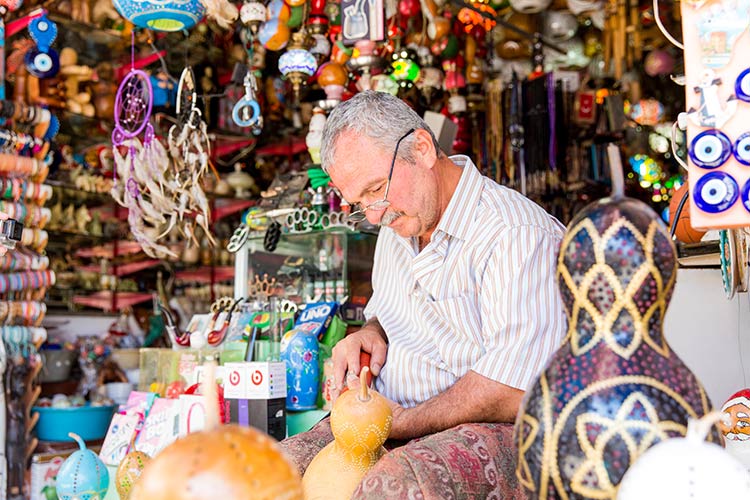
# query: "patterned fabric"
x,y
480,296
615,388
470,461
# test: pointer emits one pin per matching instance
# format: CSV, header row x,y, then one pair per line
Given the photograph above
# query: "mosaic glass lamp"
x,y
161,15
297,64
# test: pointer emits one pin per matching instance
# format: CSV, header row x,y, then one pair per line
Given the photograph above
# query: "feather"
x,y
223,12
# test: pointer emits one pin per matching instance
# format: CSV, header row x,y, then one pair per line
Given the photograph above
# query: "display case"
x,y
330,265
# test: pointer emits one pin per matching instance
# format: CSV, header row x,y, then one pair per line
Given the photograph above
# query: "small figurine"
x,y
737,431
242,182
82,218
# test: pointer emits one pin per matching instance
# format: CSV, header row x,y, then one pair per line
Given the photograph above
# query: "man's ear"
x,y
425,148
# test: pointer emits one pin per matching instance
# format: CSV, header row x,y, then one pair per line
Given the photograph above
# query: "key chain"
x,y
42,61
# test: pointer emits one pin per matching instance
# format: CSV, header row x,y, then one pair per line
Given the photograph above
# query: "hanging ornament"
x,y
274,34
297,64
161,15
42,61
252,15
246,113
317,21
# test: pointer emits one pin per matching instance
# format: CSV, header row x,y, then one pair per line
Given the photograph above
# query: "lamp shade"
x,y
161,15
297,60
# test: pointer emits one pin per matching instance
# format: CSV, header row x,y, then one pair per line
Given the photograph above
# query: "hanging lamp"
x,y
297,64
161,15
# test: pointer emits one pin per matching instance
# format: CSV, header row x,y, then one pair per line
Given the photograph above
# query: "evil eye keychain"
x,y
42,61
246,113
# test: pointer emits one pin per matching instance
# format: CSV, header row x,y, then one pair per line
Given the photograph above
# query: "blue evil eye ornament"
x,y
742,86
161,15
742,149
83,475
710,149
42,61
715,192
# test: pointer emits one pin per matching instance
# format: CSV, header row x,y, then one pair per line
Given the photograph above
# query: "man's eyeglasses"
x,y
360,214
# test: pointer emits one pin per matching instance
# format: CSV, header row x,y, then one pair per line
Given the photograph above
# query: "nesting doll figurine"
x,y
614,388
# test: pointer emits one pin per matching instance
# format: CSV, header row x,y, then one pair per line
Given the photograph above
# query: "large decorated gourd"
x,y
222,462
360,422
83,476
614,388
686,467
128,472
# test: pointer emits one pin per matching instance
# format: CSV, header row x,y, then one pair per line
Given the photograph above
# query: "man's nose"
x,y
374,216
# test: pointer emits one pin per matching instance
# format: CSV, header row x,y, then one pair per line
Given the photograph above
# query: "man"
x,y
465,310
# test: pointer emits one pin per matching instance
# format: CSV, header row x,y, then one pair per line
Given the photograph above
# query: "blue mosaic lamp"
x,y
161,15
297,64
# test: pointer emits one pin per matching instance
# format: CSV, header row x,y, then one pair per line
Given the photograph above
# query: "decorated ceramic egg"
x,y
161,15
129,471
686,467
83,475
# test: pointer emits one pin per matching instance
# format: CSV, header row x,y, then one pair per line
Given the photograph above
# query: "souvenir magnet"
x,y
710,149
715,192
719,28
742,149
712,111
742,85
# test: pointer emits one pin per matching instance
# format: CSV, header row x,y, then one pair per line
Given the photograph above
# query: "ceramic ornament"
x,y
129,471
161,15
736,426
686,467
615,388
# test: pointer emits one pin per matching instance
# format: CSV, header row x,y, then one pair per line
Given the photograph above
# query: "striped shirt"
x,y
480,296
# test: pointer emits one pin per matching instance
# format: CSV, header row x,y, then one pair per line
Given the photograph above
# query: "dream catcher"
x,y
190,150
139,170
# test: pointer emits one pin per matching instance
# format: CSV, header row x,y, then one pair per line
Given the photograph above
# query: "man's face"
x,y
360,171
739,430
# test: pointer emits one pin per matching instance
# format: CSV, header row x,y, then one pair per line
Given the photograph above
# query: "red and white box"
x,y
255,380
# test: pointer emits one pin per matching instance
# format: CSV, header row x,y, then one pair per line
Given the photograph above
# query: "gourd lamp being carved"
x,y
614,388
222,462
361,422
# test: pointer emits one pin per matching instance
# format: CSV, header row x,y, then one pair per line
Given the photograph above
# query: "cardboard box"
x,y
267,415
255,380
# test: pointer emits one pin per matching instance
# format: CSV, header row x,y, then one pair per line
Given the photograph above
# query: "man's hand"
x,y
369,339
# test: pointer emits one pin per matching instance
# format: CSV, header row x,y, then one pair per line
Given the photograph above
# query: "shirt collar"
x,y
464,200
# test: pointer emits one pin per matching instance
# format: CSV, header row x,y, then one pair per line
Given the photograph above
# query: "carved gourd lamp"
x,y
361,422
614,388
297,64
161,15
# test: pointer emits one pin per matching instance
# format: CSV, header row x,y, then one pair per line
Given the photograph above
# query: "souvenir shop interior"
x,y
169,223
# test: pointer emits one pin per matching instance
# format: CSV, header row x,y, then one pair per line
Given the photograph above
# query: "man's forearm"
x,y
474,398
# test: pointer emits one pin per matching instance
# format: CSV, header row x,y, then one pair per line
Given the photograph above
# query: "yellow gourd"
x,y
360,422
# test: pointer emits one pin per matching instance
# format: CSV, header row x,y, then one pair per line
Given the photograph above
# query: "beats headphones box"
x,y
255,380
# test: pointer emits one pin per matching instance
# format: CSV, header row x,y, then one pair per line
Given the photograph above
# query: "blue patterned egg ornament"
x,y
614,388
162,15
83,476
300,352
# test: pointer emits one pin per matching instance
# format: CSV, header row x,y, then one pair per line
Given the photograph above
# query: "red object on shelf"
x,y
108,302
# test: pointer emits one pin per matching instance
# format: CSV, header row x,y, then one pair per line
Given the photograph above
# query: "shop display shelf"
x,y
204,274
108,250
125,269
105,301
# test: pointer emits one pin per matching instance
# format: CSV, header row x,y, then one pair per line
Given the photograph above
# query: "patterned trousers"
x,y
469,461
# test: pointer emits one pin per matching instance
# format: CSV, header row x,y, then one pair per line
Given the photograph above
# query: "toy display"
x,y
605,397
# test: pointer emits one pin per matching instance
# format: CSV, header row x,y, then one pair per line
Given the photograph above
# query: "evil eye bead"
x,y
746,195
742,86
742,149
42,64
710,149
715,192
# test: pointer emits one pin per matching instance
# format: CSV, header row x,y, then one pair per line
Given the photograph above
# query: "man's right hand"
x,y
370,339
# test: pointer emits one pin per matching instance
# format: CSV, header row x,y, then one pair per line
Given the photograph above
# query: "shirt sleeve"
x,y
523,320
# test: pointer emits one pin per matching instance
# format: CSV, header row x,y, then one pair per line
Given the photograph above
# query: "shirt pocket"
x,y
456,326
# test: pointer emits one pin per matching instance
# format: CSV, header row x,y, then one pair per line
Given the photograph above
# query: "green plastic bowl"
x,y
89,422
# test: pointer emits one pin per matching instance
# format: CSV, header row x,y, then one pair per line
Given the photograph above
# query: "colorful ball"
x,y
684,232
274,34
